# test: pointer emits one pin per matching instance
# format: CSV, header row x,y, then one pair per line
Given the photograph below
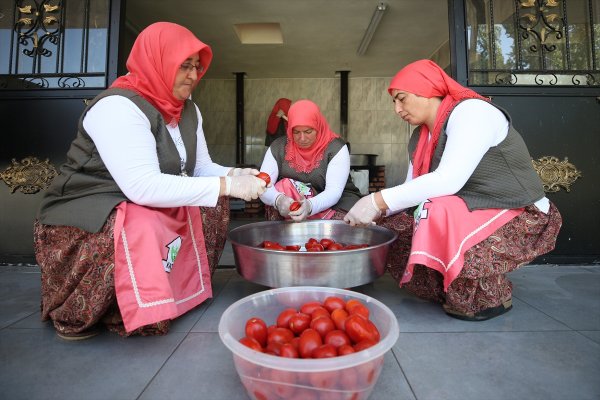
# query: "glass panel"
x,y
533,42
53,43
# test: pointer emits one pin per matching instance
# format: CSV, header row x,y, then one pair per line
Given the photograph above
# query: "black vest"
x,y
504,178
84,193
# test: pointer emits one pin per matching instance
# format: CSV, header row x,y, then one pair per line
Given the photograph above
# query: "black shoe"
x,y
482,315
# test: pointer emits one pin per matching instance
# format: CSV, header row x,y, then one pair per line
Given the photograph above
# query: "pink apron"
x,y
445,229
161,268
298,191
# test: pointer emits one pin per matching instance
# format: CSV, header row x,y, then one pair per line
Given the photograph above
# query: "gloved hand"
x,y
242,171
246,187
282,204
303,212
364,212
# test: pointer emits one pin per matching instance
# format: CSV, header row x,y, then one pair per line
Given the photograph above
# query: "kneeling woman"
x,y
481,209
311,165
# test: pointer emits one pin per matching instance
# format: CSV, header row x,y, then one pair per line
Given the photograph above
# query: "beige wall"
x,y
372,125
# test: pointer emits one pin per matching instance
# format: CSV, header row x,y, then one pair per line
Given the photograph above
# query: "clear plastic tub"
x,y
267,377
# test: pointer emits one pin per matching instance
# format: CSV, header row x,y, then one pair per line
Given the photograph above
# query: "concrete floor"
x,y
547,347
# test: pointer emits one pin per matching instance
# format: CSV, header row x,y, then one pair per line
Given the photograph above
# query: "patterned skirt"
x,y
482,283
77,270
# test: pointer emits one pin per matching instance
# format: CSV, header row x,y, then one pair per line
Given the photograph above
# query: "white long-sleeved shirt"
x,y
336,177
475,122
121,133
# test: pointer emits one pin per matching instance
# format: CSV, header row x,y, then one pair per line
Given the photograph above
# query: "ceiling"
x,y
320,37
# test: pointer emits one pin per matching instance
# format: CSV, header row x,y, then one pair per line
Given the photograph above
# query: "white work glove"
x,y
246,187
364,212
282,204
242,171
303,212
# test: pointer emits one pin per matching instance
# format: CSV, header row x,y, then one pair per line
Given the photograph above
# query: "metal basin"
x,y
341,269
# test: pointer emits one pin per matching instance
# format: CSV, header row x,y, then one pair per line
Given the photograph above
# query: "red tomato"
x,y
358,329
312,241
339,318
314,247
335,247
349,379
265,177
283,382
326,242
283,319
295,342
323,325
374,330
364,344
360,309
320,312
345,349
333,303
273,348
270,329
252,343
324,379
352,303
295,206
281,335
309,307
257,329
336,338
292,247
324,351
309,340
288,350
299,322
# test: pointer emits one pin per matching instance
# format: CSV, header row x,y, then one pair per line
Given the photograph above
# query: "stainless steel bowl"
x,y
341,269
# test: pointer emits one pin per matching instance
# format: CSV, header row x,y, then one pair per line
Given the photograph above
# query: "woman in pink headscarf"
x,y
120,238
311,164
480,209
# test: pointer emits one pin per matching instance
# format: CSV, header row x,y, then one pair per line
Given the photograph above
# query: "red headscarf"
x,y
155,58
426,79
273,121
307,113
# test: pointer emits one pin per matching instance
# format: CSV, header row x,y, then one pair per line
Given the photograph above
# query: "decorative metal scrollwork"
x,y
550,23
37,25
555,173
29,176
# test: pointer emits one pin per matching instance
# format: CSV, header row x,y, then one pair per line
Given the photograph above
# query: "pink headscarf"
x,y
426,79
307,113
155,58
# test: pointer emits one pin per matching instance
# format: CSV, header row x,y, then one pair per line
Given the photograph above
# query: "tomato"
x,y
314,247
320,312
349,379
265,177
283,382
270,329
283,319
292,247
252,343
299,322
281,335
324,351
295,206
309,340
339,318
364,344
360,309
358,329
374,330
352,303
273,348
345,349
257,328
323,325
333,303
295,342
288,350
324,379
335,247
312,241
326,242
336,338
309,307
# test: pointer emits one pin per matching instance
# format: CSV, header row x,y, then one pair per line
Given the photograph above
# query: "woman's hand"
x,y
246,187
364,212
242,171
282,204
303,212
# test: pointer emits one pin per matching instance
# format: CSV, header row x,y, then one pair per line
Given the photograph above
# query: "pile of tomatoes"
x,y
312,244
325,329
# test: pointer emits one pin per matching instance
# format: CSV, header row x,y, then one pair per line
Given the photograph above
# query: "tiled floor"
x,y
547,347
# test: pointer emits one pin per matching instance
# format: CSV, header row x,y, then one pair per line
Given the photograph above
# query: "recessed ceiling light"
x,y
259,33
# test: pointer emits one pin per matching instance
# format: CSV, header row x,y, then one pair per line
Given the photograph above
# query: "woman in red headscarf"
x,y
311,165
480,209
120,237
278,121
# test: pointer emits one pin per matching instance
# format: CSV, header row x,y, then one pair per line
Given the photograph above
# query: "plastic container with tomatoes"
x,y
268,376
